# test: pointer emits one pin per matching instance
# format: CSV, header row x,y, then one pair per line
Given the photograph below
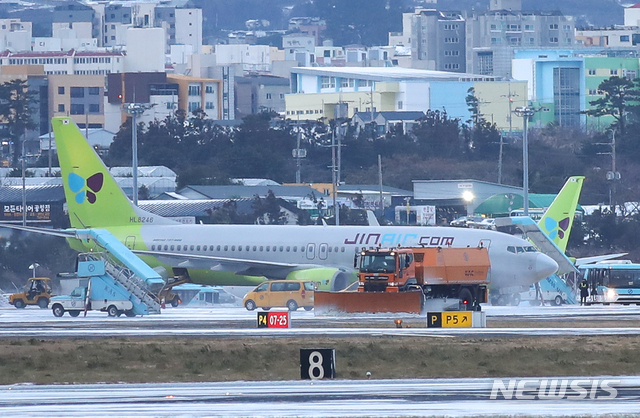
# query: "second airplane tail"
x,y
558,219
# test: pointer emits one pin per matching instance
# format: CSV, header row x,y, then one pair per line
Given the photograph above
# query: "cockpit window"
x,y
520,250
511,249
530,249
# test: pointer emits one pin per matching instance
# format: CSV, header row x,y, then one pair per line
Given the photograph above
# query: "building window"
x,y
513,28
208,88
592,72
60,90
94,108
553,26
194,90
593,92
528,28
328,82
496,41
613,72
194,106
451,66
494,27
281,96
268,96
61,108
347,82
77,92
624,38
94,91
553,40
567,28
77,109
451,40
209,105
400,104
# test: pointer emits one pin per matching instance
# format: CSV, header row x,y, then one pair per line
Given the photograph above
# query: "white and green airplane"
x,y
246,254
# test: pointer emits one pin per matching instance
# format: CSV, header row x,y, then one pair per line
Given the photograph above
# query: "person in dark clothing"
x,y
594,292
584,291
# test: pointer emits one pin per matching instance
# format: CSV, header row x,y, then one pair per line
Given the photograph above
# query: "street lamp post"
x,y
525,113
135,110
33,267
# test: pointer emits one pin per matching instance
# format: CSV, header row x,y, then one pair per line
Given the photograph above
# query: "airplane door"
x,y
130,242
486,243
322,251
311,251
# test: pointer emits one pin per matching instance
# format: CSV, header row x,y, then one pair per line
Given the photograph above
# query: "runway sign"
x,y
274,320
451,320
317,363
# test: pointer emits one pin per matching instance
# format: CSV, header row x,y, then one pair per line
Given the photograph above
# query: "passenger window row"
x,y
254,248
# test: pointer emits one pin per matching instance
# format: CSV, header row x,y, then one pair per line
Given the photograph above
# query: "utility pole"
x,y
612,175
334,173
380,184
24,184
509,97
500,160
525,113
298,180
135,110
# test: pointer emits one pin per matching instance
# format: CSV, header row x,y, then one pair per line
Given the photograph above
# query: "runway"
x,y
221,322
373,398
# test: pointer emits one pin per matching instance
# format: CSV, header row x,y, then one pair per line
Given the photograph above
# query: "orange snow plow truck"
x,y
402,279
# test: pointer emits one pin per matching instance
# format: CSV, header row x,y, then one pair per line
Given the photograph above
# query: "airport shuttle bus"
x,y
616,281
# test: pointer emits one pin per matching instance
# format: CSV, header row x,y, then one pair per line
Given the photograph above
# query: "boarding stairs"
x,y
555,283
138,288
128,270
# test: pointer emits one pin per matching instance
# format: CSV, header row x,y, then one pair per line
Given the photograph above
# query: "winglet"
x,y
94,199
558,219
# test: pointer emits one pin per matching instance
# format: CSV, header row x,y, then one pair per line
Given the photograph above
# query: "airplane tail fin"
x,y
558,219
94,199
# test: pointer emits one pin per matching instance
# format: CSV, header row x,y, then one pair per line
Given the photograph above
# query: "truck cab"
x,y
73,303
386,270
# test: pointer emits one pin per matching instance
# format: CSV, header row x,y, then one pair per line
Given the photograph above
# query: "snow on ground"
x,y
373,398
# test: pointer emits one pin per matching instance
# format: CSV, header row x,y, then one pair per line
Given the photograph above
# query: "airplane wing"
x,y
533,232
272,270
596,258
65,233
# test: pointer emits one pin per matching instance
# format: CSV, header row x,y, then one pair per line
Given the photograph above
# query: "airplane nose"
x,y
545,266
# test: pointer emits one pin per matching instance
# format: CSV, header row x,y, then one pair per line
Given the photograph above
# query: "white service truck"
x,y
77,302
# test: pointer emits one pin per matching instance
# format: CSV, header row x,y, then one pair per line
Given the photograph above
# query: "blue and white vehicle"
x,y
553,290
616,281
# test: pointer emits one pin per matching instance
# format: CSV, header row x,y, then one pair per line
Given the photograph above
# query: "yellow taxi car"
x,y
281,293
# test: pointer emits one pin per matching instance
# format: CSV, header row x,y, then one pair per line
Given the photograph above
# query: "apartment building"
x,y
492,36
436,39
68,62
15,35
166,93
79,96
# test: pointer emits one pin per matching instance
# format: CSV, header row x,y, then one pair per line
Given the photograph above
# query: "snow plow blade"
x,y
367,302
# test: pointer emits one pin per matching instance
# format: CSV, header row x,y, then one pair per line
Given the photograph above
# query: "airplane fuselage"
x,y
323,246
